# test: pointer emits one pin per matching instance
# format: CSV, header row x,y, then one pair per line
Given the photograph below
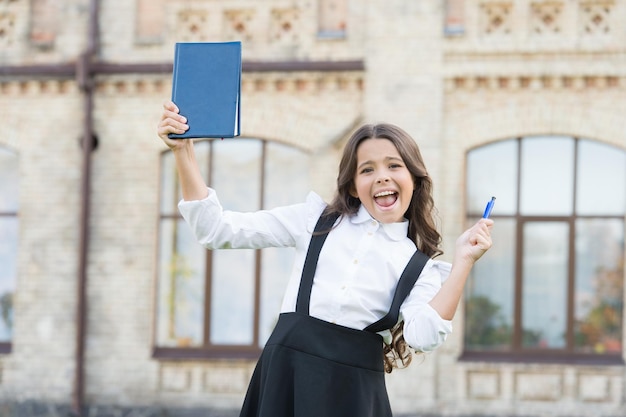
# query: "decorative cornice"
x,y
284,76
160,84
533,82
69,69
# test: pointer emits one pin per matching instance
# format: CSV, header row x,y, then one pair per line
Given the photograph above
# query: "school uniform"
x,y
324,358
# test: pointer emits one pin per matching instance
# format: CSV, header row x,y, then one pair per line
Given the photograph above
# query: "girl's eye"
x,y
366,170
395,166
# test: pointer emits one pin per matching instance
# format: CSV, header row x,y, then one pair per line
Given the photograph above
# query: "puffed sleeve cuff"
x,y
195,213
426,331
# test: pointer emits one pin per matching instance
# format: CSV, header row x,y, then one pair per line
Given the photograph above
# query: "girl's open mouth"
x,y
386,198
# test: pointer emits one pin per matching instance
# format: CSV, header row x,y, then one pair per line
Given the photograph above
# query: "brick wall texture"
x,y
454,74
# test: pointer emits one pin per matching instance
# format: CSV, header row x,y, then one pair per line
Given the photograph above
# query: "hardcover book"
x,y
206,87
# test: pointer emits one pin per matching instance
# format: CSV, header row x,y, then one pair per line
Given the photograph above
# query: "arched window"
x,y
225,303
9,226
552,286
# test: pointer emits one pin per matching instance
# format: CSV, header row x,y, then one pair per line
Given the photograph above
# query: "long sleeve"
x,y
216,228
424,329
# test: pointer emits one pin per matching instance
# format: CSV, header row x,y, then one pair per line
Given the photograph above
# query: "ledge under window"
x,y
215,352
555,357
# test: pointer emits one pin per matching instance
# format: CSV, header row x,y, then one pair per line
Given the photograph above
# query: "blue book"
x,y
206,87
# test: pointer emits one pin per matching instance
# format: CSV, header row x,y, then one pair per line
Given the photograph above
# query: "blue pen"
x,y
489,208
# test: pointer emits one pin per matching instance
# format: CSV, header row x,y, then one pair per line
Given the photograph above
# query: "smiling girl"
x,y
364,284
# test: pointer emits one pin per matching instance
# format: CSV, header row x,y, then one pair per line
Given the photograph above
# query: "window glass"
x,y
286,175
236,169
169,185
244,286
601,171
235,173
547,176
180,305
286,181
554,279
232,297
332,18
599,304
492,171
544,283
8,274
9,202
490,293
9,239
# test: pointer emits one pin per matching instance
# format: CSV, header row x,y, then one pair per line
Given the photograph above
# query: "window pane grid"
x,y
9,243
240,290
566,288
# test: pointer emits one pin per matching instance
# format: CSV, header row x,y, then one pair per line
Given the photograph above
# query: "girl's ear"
x,y
353,192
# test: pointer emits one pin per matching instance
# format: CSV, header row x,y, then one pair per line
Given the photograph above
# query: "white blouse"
x,y
358,268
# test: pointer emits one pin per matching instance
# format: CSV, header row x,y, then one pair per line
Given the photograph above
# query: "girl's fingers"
x,y
176,124
171,112
168,114
479,238
169,105
172,122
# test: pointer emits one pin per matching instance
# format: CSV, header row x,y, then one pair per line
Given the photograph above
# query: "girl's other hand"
x,y
172,122
474,242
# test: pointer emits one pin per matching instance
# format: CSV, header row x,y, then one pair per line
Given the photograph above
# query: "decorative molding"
x,y
534,82
302,83
484,384
314,82
595,17
192,25
239,24
594,388
284,26
8,20
262,82
25,88
496,18
546,18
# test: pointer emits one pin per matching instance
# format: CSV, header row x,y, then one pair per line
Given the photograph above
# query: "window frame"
x,y
209,350
7,347
517,352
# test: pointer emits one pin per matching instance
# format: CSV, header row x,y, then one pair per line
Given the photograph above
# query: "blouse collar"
x,y
395,231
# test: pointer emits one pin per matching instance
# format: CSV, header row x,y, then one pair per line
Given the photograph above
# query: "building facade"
x,y
106,303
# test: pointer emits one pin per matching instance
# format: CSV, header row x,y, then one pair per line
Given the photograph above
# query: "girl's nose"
x,y
382,179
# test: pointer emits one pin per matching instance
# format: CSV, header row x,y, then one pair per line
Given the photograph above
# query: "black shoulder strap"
x,y
408,278
323,226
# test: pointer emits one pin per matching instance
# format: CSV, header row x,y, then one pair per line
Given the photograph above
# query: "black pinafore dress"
x,y
313,368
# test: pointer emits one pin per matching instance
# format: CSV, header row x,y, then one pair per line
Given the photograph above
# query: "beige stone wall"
x,y
519,68
37,126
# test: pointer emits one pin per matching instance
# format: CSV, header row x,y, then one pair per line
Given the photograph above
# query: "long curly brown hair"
x,y
420,214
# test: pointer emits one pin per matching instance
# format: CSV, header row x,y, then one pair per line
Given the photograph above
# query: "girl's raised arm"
x,y
470,246
192,184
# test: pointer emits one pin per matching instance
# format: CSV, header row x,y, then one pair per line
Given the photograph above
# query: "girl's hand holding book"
x,y
172,122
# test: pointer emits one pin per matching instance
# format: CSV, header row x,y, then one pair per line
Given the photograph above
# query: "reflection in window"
x,y
454,22
544,284
553,282
546,176
215,301
489,311
332,18
599,285
9,224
